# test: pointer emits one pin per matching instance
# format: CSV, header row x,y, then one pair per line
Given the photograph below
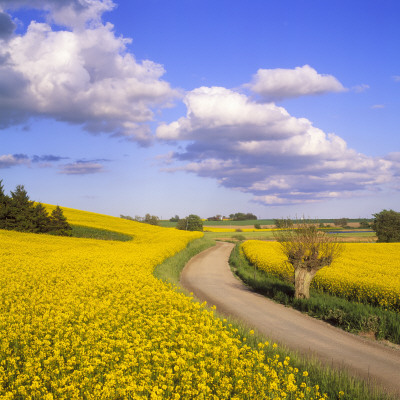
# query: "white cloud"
x,y
279,83
378,106
70,13
85,76
396,78
261,149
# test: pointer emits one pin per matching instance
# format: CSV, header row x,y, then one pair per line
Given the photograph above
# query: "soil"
x,y
209,277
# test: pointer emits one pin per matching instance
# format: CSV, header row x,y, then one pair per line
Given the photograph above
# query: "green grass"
x,y
80,231
347,315
170,270
330,381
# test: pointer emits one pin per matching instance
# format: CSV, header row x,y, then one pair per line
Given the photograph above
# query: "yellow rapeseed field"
x,y
366,272
86,319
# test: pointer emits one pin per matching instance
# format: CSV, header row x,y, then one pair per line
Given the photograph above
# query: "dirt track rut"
x,y
209,277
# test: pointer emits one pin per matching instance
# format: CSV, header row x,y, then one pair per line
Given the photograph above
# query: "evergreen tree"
x,y
42,220
21,216
19,213
59,224
4,207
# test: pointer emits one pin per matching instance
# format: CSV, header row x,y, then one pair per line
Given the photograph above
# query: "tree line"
x,y
19,213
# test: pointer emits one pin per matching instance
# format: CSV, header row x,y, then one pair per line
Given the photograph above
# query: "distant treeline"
x,y
19,213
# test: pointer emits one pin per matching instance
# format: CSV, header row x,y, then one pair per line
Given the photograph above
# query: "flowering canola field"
x,y
366,272
86,319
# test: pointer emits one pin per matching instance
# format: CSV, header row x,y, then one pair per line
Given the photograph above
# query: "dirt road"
x,y
209,277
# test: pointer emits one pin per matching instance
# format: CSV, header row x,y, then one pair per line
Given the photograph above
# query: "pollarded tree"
x,y
387,226
307,250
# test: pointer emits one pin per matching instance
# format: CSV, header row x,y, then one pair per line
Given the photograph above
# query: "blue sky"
x,y
280,108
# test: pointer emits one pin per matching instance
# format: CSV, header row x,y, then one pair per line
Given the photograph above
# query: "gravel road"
x,y
209,277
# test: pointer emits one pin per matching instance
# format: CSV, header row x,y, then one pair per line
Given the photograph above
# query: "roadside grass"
x,y
350,316
330,381
80,231
170,270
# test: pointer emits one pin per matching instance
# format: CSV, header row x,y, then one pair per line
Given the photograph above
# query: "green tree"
x,y
387,226
21,214
4,207
190,223
127,217
341,222
307,250
41,219
242,216
151,219
59,224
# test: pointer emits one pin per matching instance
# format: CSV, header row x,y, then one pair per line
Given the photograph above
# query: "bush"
x,y
239,237
257,226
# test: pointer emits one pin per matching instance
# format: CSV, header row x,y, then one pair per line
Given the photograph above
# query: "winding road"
x,y
210,279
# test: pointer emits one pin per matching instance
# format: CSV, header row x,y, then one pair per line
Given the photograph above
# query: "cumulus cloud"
x,y
261,149
279,83
82,76
7,26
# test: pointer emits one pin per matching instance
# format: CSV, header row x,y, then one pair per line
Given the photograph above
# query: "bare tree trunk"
x,y
302,280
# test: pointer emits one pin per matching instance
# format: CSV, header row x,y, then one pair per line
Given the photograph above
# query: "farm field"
x,y
268,234
86,319
366,272
250,223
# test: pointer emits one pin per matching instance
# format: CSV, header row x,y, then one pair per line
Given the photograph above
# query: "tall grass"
x,y
330,381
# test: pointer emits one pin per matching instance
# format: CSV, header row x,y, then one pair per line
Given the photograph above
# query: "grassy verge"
x,y
350,316
80,231
330,381
170,270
